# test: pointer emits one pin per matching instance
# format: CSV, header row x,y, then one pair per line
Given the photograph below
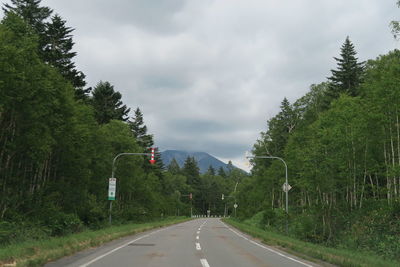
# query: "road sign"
x,y
286,187
112,185
235,205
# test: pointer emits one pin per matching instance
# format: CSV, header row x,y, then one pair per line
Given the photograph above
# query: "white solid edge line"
x,y
204,263
267,248
111,251
124,245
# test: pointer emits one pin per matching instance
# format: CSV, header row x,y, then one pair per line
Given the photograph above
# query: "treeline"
x,y
341,142
58,139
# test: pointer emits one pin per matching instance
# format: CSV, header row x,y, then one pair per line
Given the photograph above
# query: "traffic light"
x,y
152,160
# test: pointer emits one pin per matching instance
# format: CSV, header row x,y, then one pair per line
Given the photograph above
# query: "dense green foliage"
x,y
343,160
56,151
341,142
336,256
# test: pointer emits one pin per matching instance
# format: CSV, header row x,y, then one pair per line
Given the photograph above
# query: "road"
x,y
205,242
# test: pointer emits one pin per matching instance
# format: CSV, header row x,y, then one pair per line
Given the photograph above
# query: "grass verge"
x,y
37,253
309,251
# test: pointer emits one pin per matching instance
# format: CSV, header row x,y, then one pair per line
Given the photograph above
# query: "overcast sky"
x,y
208,74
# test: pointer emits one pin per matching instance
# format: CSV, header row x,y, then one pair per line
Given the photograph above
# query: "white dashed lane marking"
x,y
204,263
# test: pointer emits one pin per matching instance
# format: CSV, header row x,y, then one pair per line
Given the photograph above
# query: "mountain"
x,y
204,160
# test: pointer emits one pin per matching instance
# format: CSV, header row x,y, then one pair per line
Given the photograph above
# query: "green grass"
x,y
37,253
311,251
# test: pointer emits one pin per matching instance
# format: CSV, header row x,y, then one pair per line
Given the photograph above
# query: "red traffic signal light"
x,y
152,160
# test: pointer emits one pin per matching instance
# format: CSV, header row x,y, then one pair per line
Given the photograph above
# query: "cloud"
x,y
209,74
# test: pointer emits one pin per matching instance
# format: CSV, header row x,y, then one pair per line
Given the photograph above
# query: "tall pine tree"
x,y
139,130
107,104
33,14
348,75
191,171
55,40
58,52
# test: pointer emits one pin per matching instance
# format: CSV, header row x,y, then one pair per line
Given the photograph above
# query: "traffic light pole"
x,y
113,171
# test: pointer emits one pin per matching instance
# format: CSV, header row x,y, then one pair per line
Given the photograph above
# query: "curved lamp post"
x,y
286,185
113,168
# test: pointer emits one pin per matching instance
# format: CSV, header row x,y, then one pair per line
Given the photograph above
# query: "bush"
x,y
61,224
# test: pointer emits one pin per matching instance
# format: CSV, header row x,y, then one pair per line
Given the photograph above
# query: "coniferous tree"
x,y
33,14
348,76
58,52
230,167
174,168
55,40
191,171
221,172
139,130
211,170
107,104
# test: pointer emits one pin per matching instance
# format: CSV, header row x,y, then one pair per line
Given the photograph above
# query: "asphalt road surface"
x,y
205,242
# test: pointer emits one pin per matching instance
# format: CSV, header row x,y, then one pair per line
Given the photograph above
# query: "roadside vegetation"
x,y
58,137
310,251
39,252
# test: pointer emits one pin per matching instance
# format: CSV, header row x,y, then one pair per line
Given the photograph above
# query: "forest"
x,y
58,137
341,143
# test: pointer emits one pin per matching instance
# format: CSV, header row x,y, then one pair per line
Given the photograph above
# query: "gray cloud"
x,y
209,74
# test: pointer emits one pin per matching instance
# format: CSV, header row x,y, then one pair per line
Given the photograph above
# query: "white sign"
x,y
235,205
286,187
112,185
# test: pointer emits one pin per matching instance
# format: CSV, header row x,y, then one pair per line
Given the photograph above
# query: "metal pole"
x,y
113,171
286,182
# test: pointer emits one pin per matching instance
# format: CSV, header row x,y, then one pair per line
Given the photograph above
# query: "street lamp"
x,y
152,161
286,186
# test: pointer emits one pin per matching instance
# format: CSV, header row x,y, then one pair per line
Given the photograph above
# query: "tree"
x,y
58,52
107,104
230,167
55,40
33,15
139,130
174,168
211,170
221,172
191,171
395,25
348,76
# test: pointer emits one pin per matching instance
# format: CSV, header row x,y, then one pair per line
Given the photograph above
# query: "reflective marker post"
x,y
152,161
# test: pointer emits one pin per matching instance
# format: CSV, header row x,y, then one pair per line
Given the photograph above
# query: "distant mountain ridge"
x,y
204,160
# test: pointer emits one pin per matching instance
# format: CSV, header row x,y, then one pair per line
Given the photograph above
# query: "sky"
x,y
208,74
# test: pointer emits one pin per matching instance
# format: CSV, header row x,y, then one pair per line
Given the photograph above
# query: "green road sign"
x,y
112,185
